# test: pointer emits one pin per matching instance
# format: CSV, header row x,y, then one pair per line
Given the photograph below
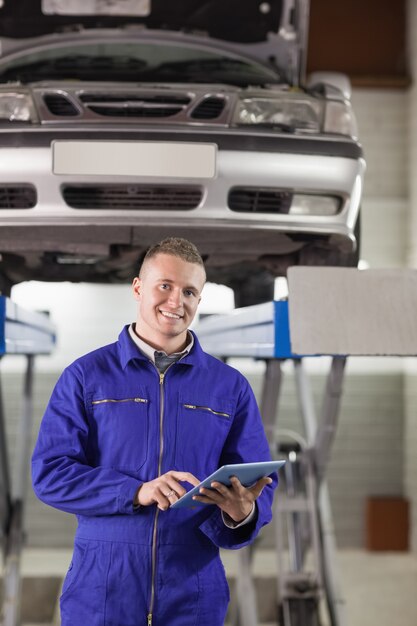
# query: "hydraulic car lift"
x,y
329,311
27,333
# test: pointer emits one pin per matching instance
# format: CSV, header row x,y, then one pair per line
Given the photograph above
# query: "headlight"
x,y
340,119
296,114
16,107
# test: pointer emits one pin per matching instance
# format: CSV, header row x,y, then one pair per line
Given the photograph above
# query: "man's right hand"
x,y
164,490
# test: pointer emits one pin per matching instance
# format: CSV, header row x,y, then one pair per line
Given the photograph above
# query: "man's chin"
x,y
172,330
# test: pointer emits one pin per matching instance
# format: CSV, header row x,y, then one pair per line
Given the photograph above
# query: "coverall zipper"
x,y
155,524
106,400
205,408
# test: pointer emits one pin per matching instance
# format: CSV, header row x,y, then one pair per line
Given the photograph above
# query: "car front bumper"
x,y
312,165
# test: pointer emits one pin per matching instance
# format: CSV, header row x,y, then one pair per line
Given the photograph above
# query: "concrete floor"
x,y
380,589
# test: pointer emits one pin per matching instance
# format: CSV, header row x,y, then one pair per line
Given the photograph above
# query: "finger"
x,y
203,500
167,485
236,484
167,492
211,495
259,486
208,499
166,497
183,476
221,489
176,487
172,497
162,503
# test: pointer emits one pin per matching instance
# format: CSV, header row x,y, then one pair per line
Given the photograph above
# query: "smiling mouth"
x,y
172,316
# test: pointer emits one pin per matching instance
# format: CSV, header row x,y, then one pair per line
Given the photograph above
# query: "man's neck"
x,y
177,344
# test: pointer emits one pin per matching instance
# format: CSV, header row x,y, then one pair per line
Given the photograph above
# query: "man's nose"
x,y
175,298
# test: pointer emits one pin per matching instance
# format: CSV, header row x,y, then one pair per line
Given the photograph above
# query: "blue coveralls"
x,y
114,422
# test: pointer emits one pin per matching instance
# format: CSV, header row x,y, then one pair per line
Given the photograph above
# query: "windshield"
x,y
136,62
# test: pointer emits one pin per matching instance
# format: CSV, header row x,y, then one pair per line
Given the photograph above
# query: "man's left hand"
x,y
236,500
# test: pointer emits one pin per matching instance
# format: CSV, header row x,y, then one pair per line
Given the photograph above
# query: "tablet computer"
x,y
247,473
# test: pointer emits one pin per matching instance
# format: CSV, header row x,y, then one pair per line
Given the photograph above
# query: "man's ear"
x,y
136,287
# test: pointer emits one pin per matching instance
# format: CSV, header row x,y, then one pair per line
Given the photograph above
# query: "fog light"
x,y
306,204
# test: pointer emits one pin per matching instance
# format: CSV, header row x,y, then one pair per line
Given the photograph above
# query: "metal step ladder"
x,y
308,591
308,588
299,588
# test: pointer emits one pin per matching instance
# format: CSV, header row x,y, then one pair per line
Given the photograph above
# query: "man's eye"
x,y
164,286
188,292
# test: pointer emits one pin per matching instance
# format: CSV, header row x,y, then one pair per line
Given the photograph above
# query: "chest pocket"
x,y
202,428
120,429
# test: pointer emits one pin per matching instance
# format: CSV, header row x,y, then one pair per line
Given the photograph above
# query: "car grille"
x,y
17,197
76,105
209,109
259,200
145,197
60,105
130,105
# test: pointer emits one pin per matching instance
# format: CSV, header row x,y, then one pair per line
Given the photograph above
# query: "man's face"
x,y
168,293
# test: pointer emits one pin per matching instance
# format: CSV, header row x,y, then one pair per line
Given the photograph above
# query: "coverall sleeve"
x,y
61,474
246,443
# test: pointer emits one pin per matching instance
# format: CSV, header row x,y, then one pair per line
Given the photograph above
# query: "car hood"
x,y
273,31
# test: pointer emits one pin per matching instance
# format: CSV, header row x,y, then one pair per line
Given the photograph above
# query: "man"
x,y
127,427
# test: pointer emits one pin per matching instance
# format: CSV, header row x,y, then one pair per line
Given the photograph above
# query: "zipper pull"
x,y
149,619
161,378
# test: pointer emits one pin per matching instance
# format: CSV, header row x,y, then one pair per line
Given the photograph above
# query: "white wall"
x,y
382,120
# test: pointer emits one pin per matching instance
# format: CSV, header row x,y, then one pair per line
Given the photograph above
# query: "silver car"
x,y
122,122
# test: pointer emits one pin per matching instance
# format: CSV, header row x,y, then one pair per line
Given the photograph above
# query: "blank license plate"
x,y
134,158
